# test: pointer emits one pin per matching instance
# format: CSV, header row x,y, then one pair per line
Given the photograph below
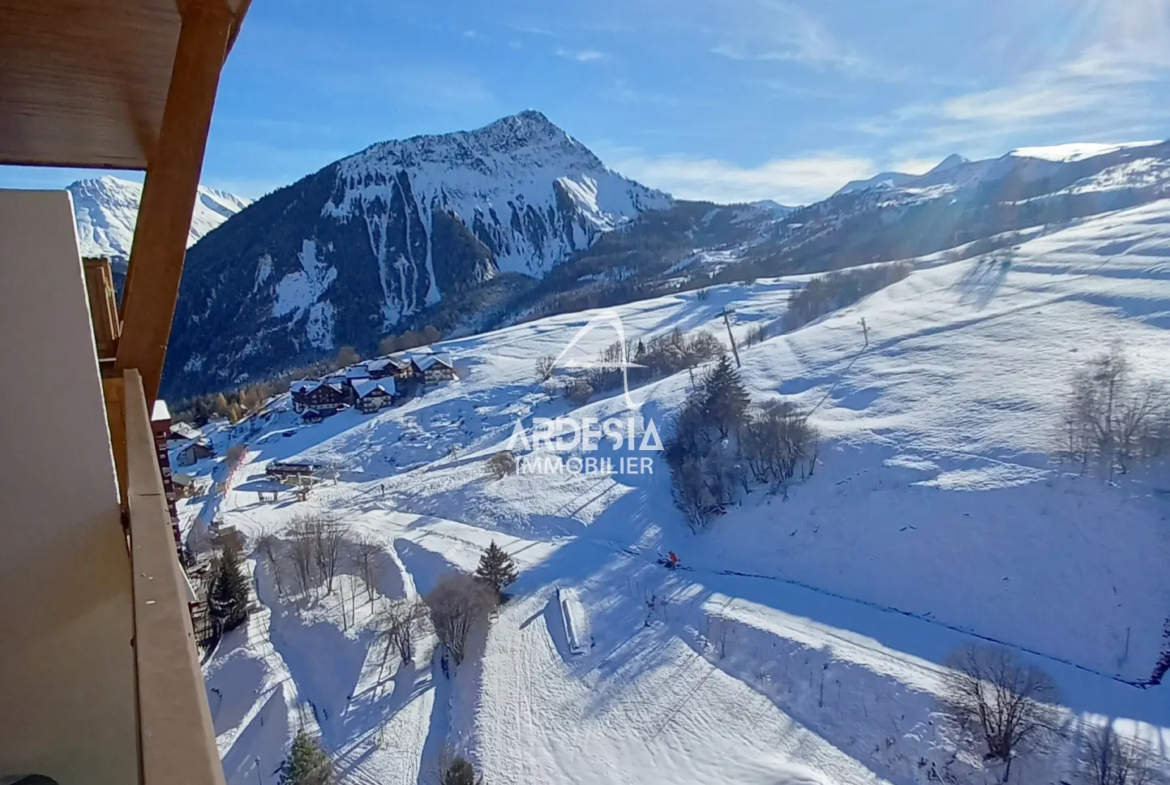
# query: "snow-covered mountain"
x,y
106,210
898,179
345,254
527,190
897,215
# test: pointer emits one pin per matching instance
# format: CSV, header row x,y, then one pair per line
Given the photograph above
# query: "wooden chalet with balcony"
x,y
433,368
374,394
390,367
321,396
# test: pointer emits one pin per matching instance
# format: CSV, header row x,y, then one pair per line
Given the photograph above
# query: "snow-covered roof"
x,y
364,387
425,361
185,431
159,411
359,371
307,386
384,362
304,386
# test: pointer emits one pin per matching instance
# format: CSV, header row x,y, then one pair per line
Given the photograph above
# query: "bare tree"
x,y
271,548
365,560
1113,417
1110,759
544,367
456,605
1006,703
302,552
327,539
400,623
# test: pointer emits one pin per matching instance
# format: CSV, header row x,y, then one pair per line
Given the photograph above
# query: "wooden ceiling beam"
x,y
169,191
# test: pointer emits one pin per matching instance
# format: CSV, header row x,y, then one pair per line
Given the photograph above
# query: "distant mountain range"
x,y
106,210
473,230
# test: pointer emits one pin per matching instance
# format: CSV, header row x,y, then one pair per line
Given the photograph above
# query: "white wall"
x,y
66,659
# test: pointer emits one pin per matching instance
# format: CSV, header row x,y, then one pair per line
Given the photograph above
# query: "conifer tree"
x,y
496,568
228,592
726,399
307,763
460,772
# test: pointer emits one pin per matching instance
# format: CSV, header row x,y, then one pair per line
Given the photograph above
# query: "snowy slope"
x,y
106,209
805,642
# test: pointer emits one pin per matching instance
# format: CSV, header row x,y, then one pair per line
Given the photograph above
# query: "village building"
x,y
389,367
373,395
359,371
182,432
194,452
433,368
323,396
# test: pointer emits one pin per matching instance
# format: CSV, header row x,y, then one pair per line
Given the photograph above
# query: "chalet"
x,y
182,432
329,395
359,371
433,368
194,452
389,367
373,395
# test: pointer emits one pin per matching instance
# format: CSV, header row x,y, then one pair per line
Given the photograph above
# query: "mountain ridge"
x,y
346,254
105,210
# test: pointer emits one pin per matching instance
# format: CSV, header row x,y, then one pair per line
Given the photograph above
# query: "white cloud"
x,y
1104,93
1098,80
582,55
774,31
787,180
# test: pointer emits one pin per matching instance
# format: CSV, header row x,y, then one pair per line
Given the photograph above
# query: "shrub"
x,y
579,391
501,465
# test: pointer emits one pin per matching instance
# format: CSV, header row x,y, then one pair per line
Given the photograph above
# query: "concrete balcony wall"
x,y
67,673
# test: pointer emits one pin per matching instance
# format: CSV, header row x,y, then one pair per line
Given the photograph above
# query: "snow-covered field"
x,y
804,644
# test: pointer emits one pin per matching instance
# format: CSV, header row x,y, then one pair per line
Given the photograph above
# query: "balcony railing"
x,y
176,736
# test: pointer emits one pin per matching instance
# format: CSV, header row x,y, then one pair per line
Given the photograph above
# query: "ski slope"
x,y
805,641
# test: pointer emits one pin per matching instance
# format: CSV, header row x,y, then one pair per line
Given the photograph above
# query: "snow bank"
x,y
575,621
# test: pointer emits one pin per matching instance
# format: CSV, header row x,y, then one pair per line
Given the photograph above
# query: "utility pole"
x,y
865,330
730,337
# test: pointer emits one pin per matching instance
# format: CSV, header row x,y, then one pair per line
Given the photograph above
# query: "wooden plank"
x,y
176,734
169,191
114,390
103,306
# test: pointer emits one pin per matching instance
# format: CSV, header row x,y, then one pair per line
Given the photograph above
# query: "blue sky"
x,y
720,99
